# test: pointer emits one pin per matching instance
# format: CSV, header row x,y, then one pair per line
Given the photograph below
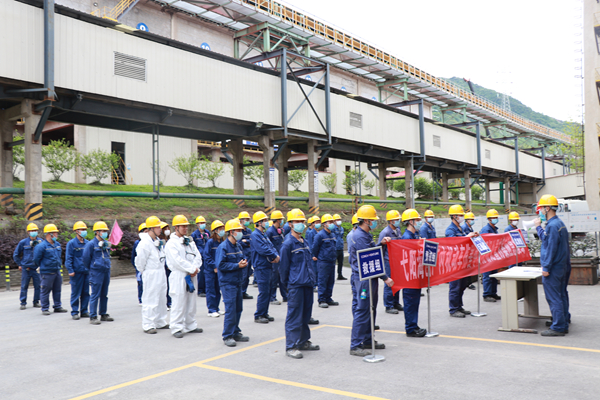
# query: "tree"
x,y
352,180
210,171
58,157
162,171
574,151
98,164
187,167
389,186
476,192
18,155
254,173
330,182
296,178
369,185
423,188
399,186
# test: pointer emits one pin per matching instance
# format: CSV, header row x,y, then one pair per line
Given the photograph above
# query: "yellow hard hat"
x,y
79,225
312,219
429,213
548,200
259,216
163,224
32,227
409,214
200,218
276,215
244,214
514,216
367,212
100,226
153,222
392,215
336,216
142,227
354,219
233,224
296,215
216,224
491,214
50,228
180,220
469,215
326,217
456,209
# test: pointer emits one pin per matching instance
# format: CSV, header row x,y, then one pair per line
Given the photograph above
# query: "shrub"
x,y
187,167
352,180
18,155
399,186
423,188
98,164
254,173
210,171
58,157
455,193
389,186
330,182
296,178
369,185
476,192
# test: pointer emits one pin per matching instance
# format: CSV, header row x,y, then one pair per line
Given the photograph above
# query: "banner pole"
x,y
372,358
429,333
478,313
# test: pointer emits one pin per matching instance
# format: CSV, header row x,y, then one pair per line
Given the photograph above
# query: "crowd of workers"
x,y
295,256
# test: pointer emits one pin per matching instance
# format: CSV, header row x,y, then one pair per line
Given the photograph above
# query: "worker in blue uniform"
x,y
338,231
286,227
490,285
360,341
213,288
391,301
350,250
427,230
201,236
467,227
324,253
138,275
297,275
23,256
263,256
231,263
244,219
457,287
276,236
47,256
96,259
513,225
412,297
314,226
555,261
78,274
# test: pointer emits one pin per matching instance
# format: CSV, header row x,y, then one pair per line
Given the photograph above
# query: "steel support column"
x,y
409,183
156,160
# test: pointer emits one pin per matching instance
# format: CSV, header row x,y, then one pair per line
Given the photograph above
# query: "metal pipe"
x,y
49,47
100,193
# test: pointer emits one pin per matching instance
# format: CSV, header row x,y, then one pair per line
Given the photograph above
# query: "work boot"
x,y
261,320
284,300
399,307
229,342
75,317
60,310
201,294
457,314
466,312
23,307
151,331
165,327
271,319
197,330
313,321
391,310
360,352
419,332
178,334
551,332
214,314
496,297
489,299
94,321
294,353
549,323
323,305
378,346
333,303
341,278
37,305
46,312
106,318
85,315
276,302
241,338
472,287
376,328
309,346
246,296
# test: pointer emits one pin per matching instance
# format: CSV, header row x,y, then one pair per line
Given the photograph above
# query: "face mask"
x,y
33,234
419,224
246,223
83,234
317,226
104,235
55,239
299,227
471,222
167,232
514,223
542,217
221,233
338,223
238,236
397,223
494,221
373,224
202,227
430,220
460,220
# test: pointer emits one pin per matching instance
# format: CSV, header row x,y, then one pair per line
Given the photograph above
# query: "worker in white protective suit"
x,y
150,262
184,261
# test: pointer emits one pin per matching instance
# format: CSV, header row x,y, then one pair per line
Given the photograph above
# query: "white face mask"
x,y
514,223
460,220
167,232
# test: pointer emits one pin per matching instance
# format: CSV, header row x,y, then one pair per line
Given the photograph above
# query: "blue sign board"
x,y
517,238
258,63
430,252
308,78
142,27
370,263
525,235
205,46
344,88
481,245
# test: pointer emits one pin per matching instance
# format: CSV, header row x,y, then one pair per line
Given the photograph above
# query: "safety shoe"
x,y
309,346
341,278
241,338
46,312
221,312
376,328
178,334
201,294
261,320
313,321
360,352
549,323
284,300
457,314
85,315
94,321
151,331
489,299
75,317
466,312
419,332
214,314
276,302
378,346
197,330
323,305
496,297
333,303
294,353
271,319
229,342
551,332
472,287
164,327
23,307
399,307
60,310
315,290
106,318
246,296
37,305
391,310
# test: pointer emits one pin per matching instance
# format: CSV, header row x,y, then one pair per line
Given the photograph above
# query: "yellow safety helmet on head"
x,y
32,227
163,225
336,217
216,224
100,226
469,215
326,218
367,212
153,222
244,214
50,228
79,225
354,219
142,227
491,214
275,215
296,215
514,216
429,213
200,218
410,214
179,220
312,219
456,209
548,200
259,216
233,224
392,215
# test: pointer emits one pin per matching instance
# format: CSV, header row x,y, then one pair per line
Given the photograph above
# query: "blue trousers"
x,y
389,298
326,280
99,281
51,282
262,276
316,270
201,281
300,302
80,292
246,278
455,294
275,283
412,299
361,324
490,285
140,284
354,298
28,274
232,298
213,290
168,272
555,289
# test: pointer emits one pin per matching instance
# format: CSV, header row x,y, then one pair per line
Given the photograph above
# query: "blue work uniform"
x,y
97,260
138,275
466,228
411,298
247,250
427,231
361,323
80,282
324,249
276,237
213,289
310,239
490,285
286,229
350,250
47,256
338,231
23,256
457,287
200,238
390,300
508,229
263,252
231,276
555,259
298,277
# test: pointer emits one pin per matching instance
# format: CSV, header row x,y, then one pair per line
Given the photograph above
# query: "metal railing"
x,y
114,13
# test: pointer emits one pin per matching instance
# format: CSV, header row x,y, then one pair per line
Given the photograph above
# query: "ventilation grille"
x,y
356,120
488,154
130,67
437,141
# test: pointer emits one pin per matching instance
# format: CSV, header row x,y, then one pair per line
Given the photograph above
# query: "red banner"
x,y
457,258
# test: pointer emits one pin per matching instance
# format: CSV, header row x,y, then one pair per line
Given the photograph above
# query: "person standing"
x,y
201,236
23,256
324,253
163,238
138,275
391,301
490,285
276,236
338,231
427,230
513,225
47,256
244,218
213,289
263,256
150,262
79,276
298,276
96,259
467,227
314,224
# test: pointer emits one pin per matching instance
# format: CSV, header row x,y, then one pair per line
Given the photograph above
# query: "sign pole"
x,y
372,358
478,313
429,332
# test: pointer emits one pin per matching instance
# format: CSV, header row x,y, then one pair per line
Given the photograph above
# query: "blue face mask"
x,y
373,224
494,221
430,220
221,233
542,217
83,234
246,223
202,227
471,222
33,234
317,226
299,227
397,223
419,224
55,239
104,235
239,236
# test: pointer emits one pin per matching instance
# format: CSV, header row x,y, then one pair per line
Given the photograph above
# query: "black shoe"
x,y
472,287
378,346
261,320
284,300
458,314
229,342
341,278
241,338
376,328
23,306
466,312
60,310
549,323
551,332
106,318
202,294
85,315
422,294
75,317
333,303
313,321
271,319
246,296
197,330
419,332
294,353
489,299
309,346
391,310
496,297
178,334
399,307
37,305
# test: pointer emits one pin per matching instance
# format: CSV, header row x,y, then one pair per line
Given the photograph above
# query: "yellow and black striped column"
x,y
269,210
314,210
284,203
240,203
383,205
34,211
6,201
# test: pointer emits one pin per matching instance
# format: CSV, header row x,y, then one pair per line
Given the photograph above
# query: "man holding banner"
x,y
391,301
490,285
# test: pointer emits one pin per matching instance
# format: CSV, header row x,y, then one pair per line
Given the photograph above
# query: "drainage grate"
x,y
130,67
437,141
356,120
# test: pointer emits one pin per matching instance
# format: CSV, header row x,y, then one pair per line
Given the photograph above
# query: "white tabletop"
x,y
519,273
